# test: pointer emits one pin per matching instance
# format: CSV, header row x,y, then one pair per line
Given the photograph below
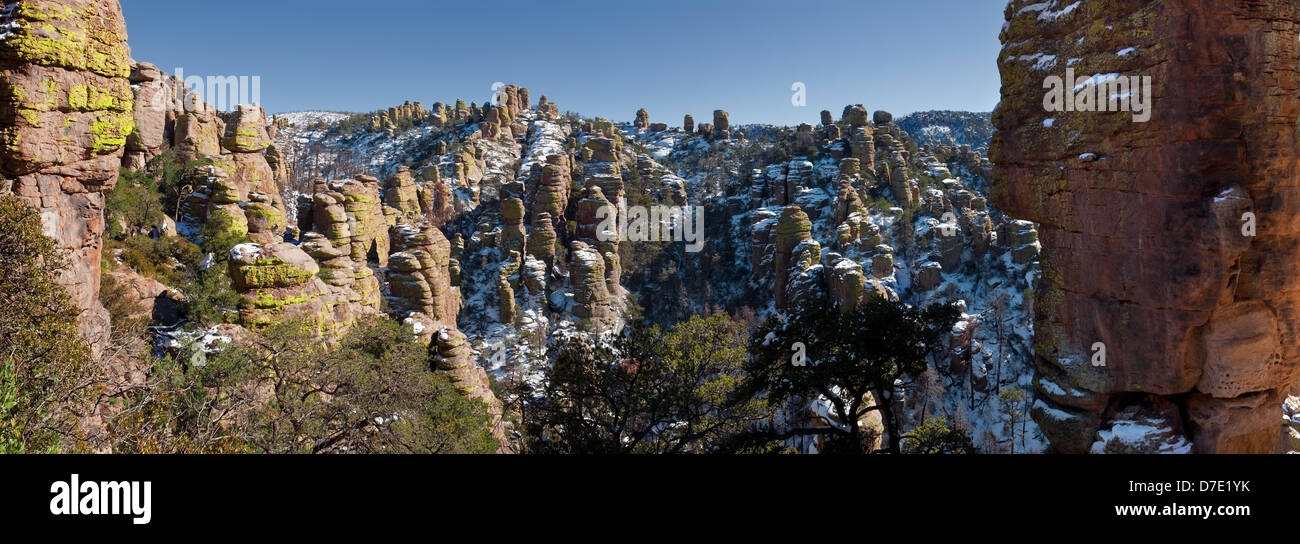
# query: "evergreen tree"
x,y
934,436
282,391
46,373
654,392
854,360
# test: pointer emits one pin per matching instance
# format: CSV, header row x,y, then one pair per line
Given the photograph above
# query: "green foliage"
x,y
927,182
375,394
881,205
643,257
209,298
140,199
133,206
934,436
171,260
123,309
185,408
219,234
46,374
1012,398
668,392
282,391
1014,405
854,358
173,177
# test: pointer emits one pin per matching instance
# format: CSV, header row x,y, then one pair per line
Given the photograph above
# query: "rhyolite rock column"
x,y
67,111
1145,259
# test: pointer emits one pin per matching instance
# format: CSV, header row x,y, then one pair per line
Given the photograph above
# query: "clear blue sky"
x,y
600,58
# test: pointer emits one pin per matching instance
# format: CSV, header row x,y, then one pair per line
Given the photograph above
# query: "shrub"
x,y
374,394
45,370
133,206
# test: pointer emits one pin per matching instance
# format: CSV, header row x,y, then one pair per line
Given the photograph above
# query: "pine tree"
x,y
855,361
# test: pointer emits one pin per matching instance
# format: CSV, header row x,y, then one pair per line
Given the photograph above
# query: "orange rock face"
x,y
1148,250
65,113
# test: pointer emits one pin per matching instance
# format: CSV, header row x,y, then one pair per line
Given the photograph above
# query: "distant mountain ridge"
x,y
953,128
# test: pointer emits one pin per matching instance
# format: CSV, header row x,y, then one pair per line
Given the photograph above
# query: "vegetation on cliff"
x,y
281,391
45,367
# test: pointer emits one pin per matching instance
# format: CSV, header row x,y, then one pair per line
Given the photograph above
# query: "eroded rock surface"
x,y
66,114
1143,251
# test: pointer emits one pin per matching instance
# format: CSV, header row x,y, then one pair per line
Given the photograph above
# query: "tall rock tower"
x,y
65,114
1169,294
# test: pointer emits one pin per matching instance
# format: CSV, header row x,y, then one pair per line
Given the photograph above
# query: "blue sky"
x,y
600,58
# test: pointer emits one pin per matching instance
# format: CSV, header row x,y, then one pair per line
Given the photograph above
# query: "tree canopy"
x,y
855,358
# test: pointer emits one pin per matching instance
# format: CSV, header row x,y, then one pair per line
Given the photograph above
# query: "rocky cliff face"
x,y
76,109
66,114
1144,252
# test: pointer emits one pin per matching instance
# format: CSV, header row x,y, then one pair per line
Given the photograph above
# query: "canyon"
x,y
485,228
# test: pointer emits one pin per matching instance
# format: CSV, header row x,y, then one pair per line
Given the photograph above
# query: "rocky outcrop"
x,y
239,189
547,109
401,194
849,286
66,112
452,354
513,235
864,148
593,303
792,230
394,117
496,122
642,119
721,124
592,210
351,214
551,196
147,299
1143,248
279,281
855,116
155,100
905,191
420,279
542,239
437,202
198,130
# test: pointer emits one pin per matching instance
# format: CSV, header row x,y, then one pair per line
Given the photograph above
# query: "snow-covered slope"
x,y
951,128
996,328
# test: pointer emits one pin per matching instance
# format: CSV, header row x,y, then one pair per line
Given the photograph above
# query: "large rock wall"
x,y
1142,223
65,114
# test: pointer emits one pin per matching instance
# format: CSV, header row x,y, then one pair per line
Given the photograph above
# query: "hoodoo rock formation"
x,y
1157,303
67,113
849,211
498,231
